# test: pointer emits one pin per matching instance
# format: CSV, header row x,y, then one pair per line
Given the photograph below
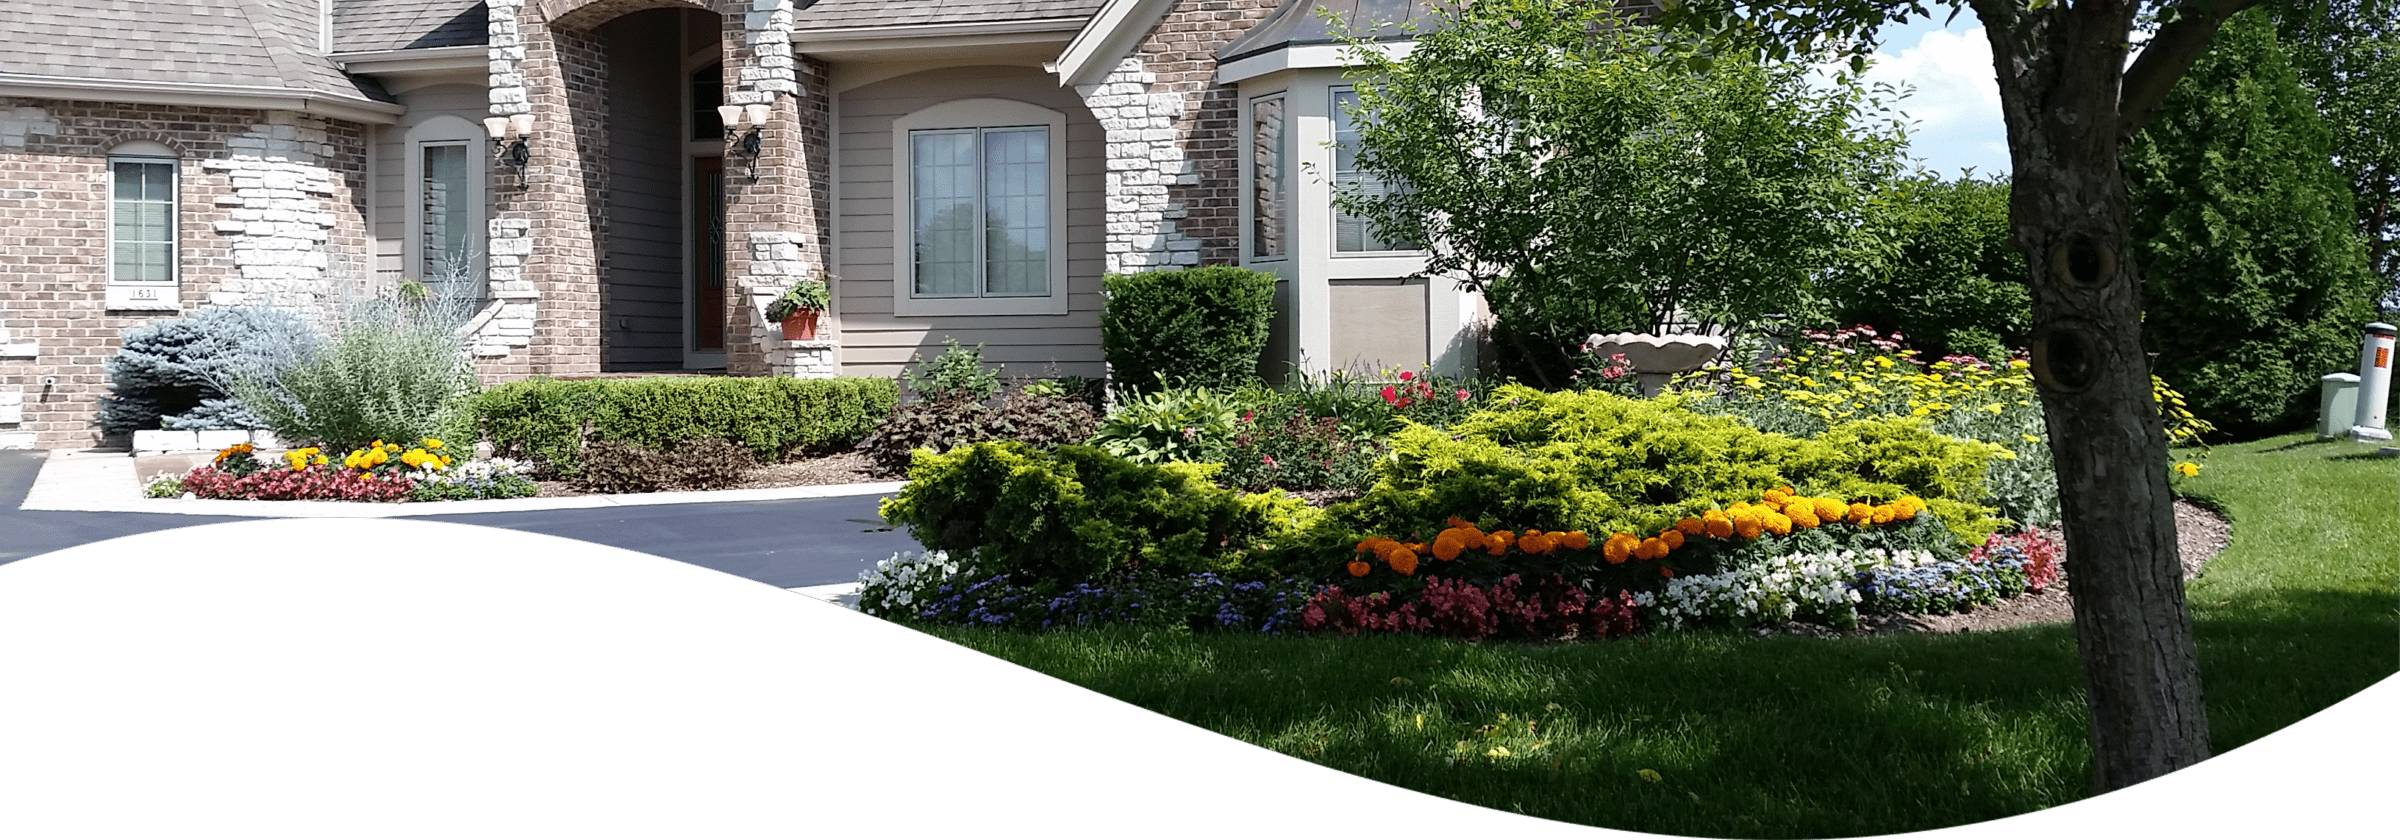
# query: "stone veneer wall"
x,y
1173,176
271,207
550,222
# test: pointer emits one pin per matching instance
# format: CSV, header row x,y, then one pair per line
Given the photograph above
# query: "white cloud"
x,y
1954,100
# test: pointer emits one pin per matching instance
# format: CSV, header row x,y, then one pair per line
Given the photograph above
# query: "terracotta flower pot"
x,y
802,326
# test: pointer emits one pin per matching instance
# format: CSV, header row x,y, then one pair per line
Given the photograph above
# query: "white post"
x,y
2374,382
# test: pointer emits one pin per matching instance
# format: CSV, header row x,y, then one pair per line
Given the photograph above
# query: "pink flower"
x,y
1269,460
1407,375
1391,394
1463,395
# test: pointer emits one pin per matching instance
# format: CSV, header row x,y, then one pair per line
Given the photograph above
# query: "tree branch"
x,y
2169,55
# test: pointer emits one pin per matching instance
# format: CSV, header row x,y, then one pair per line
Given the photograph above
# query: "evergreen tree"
x,y
2254,283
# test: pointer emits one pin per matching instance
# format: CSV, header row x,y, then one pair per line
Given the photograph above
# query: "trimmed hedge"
x,y
1198,326
550,420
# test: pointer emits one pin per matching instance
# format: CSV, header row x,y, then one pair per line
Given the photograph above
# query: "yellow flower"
x,y
2188,469
433,443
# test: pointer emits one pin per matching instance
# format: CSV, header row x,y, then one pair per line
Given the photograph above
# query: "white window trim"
x,y
445,130
146,295
1333,214
967,114
1249,176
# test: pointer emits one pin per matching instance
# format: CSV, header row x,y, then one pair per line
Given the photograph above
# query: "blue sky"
x,y
1956,102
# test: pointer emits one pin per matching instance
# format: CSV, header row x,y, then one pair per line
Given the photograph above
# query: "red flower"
x,y
1407,375
1391,394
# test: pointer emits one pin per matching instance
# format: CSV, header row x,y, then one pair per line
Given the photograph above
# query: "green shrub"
x,y
1196,326
1077,512
1601,463
394,371
957,372
1948,279
181,373
550,421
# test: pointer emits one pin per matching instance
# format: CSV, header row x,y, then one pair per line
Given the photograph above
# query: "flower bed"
x,y
379,472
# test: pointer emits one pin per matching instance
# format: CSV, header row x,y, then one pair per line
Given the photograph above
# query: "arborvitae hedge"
x,y
2254,284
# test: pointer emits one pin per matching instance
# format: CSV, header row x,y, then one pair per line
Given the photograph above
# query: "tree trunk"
x,y
2059,72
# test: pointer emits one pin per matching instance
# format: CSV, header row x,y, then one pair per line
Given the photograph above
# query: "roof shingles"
x,y
247,43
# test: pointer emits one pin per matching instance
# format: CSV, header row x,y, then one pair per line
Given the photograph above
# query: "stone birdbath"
x,y
1658,358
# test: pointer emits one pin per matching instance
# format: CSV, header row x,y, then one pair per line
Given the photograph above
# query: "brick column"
x,y
778,207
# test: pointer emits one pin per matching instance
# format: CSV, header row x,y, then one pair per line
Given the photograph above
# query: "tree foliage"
x,y
1946,276
2254,283
2348,53
1575,168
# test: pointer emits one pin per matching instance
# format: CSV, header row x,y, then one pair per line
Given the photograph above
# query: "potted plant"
x,y
797,309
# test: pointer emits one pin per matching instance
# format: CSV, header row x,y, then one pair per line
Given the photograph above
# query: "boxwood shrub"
x,y
1196,326
551,420
1076,513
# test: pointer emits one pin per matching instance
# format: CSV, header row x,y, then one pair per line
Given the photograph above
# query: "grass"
x,y
1793,736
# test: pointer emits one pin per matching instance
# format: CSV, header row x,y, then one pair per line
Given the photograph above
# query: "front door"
x,y
707,280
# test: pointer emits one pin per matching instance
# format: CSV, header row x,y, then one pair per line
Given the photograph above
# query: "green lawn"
x,y
1791,736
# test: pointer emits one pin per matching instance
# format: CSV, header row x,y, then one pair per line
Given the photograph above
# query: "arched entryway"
x,y
635,247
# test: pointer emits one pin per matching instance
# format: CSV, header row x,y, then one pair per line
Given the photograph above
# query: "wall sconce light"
x,y
739,117
508,138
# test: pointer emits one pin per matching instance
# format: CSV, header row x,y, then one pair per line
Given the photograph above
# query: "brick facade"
x,y
269,207
1173,175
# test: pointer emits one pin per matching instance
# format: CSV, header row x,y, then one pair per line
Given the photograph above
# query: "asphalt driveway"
x,y
789,543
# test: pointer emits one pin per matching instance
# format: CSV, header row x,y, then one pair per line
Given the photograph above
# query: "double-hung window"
x,y
982,209
141,232
1354,234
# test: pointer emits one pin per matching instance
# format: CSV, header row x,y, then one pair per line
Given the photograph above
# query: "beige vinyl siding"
x,y
644,265
877,343
390,188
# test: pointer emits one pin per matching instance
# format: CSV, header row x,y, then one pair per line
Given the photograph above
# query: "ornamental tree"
x,y
1583,176
2071,103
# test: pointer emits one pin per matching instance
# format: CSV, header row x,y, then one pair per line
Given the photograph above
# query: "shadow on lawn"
x,y
1751,737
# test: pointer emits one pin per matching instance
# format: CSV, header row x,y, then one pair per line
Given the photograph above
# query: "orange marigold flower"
x,y
1831,510
1673,538
1367,544
1803,516
1497,542
1359,568
1534,542
1884,513
1619,547
1576,541
1447,546
1748,524
1719,527
1651,549
1777,524
1690,525
1403,561
1455,522
1667,572
1861,513
1777,496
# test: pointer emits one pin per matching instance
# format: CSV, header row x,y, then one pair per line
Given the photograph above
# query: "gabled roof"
x,y
850,14
270,48
379,25
1303,23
